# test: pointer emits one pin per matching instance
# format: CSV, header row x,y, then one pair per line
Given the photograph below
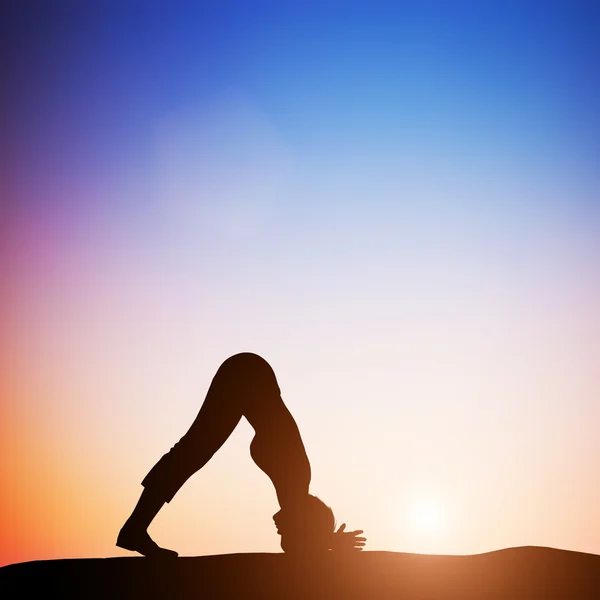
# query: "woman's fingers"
x,y
350,539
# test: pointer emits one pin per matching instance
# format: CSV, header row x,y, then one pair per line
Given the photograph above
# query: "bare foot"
x,y
140,541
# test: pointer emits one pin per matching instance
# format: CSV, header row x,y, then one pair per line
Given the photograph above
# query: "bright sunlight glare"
x,y
425,516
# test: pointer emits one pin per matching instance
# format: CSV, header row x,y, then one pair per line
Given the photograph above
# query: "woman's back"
x,y
278,450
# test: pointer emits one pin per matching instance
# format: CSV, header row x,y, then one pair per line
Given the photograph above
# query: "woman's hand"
x,y
347,540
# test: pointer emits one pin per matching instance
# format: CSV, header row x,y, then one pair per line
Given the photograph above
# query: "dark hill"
x,y
514,574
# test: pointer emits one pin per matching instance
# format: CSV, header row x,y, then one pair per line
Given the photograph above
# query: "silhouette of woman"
x,y
244,386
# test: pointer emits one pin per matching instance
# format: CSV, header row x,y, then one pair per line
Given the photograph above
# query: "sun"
x,y
424,513
426,519
425,516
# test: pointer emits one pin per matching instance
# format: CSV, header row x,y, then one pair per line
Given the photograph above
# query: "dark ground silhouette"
x,y
524,573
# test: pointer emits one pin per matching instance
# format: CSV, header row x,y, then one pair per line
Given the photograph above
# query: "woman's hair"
x,y
307,525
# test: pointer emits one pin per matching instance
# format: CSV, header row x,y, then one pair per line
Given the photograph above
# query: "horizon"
x,y
396,206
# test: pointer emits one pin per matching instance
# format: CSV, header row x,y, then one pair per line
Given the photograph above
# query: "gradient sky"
x,y
396,204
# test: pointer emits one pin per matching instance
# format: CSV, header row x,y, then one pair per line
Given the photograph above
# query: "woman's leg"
x,y
134,536
240,380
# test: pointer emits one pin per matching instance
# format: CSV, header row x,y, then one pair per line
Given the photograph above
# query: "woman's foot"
x,y
140,541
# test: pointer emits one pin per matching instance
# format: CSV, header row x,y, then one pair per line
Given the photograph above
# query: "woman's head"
x,y
306,525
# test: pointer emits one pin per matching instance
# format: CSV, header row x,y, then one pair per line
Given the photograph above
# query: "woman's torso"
x,y
278,450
